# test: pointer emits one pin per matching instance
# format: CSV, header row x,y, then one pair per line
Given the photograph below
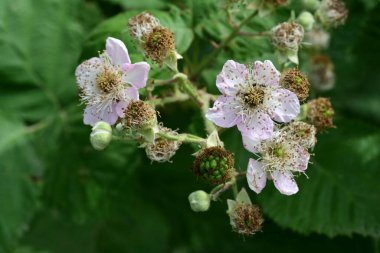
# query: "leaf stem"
x,y
188,138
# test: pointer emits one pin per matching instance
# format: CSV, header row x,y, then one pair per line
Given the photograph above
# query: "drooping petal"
x,y
136,74
284,182
233,74
92,114
223,112
117,51
257,126
265,73
283,105
256,176
87,72
251,144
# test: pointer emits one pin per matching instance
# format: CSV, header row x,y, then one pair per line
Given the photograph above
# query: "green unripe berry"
x,y
199,201
101,135
306,19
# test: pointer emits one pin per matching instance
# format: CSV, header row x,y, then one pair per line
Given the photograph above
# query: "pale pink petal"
x,y
233,74
93,115
258,126
120,108
283,105
223,112
87,72
284,182
131,93
256,176
250,143
302,158
136,74
265,74
117,51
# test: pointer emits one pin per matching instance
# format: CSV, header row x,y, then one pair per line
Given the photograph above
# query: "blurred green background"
x,y
58,195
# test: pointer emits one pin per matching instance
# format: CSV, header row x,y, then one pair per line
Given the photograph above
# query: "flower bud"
x,y
306,19
246,219
295,81
199,201
332,13
287,37
320,113
322,73
162,150
311,5
318,38
215,165
101,135
301,132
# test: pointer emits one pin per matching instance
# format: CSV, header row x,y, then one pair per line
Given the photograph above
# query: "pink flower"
x,y
251,99
281,157
109,82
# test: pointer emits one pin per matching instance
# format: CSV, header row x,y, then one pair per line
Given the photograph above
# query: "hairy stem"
x,y
188,138
187,87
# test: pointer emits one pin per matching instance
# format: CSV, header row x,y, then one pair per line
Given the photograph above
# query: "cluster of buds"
x,y
155,40
287,38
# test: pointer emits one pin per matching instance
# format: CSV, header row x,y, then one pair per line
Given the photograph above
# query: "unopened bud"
x,y
101,135
215,165
295,81
322,73
306,19
320,113
162,150
199,201
311,5
332,13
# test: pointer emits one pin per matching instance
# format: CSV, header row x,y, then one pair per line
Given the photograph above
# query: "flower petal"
x,y
265,73
117,51
87,72
302,158
233,74
136,74
283,105
258,126
131,93
284,182
251,144
256,176
223,112
93,115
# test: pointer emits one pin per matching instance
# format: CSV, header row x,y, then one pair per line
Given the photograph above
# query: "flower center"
x,y
254,96
108,80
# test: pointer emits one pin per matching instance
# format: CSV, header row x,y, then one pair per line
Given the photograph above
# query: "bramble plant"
x,y
267,99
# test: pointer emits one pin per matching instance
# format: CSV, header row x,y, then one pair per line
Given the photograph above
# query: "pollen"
x,y
254,96
108,79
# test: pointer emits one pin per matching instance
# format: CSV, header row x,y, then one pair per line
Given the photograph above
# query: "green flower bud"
x,y
215,165
101,135
306,19
311,5
199,201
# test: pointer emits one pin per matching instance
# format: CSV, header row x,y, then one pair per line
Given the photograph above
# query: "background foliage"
x,y
59,195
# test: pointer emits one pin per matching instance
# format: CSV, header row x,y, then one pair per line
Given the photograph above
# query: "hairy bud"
x,y
199,201
215,165
320,113
322,73
162,150
332,13
306,19
101,135
295,81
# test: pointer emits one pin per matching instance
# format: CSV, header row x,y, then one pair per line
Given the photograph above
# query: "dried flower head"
x,y
246,219
252,98
295,81
162,150
318,38
332,13
322,73
109,83
302,133
141,25
158,44
320,113
139,115
215,165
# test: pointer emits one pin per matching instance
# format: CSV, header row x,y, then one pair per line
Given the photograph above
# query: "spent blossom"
x,y
109,82
252,98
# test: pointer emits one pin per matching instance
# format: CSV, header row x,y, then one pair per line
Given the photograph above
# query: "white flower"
x,y
109,82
